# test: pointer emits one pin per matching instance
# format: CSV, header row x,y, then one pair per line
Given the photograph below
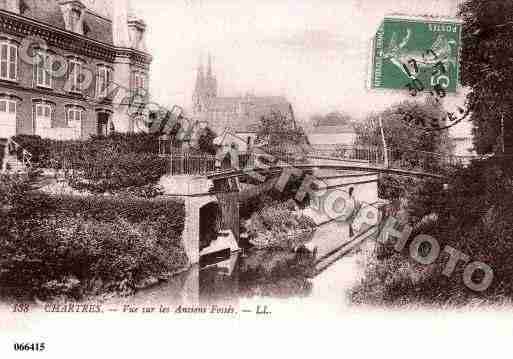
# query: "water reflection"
x,y
182,288
269,273
278,273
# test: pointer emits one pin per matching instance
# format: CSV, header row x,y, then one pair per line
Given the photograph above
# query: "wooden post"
x,y
385,149
502,132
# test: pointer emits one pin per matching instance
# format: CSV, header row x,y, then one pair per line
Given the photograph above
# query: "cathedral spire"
x,y
209,70
211,82
198,96
200,78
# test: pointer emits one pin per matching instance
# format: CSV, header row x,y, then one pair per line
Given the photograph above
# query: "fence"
x,y
183,163
189,164
424,161
295,154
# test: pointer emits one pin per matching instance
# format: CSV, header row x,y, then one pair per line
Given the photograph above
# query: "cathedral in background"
x,y
238,115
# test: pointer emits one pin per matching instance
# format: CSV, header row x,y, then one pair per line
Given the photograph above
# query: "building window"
x,y
75,76
139,81
74,117
7,106
104,78
7,118
43,118
43,77
8,61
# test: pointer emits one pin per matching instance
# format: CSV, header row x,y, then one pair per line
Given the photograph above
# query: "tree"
x,y
277,129
407,127
408,135
206,141
486,67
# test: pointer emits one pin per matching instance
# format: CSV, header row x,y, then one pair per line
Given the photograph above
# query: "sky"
x,y
316,53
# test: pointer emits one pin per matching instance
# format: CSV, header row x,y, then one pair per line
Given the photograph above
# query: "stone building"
x,y
71,68
239,115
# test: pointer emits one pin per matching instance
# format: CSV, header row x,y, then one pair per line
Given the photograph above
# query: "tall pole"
x,y
385,149
502,131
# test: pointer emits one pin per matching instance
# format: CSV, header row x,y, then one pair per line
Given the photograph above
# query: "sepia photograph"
x,y
169,166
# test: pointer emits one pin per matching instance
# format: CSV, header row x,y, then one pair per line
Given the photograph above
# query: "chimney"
x,y
120,23
12,5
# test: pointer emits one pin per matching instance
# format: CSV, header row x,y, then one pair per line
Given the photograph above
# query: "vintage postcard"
x,y
223,175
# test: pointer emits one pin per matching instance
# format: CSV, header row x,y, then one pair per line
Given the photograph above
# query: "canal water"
x,y
261,274
282,274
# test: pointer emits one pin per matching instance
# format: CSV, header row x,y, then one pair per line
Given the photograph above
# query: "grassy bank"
x,y
474,216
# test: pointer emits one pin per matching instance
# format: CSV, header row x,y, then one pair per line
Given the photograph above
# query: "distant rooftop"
x,y
333,129
334,122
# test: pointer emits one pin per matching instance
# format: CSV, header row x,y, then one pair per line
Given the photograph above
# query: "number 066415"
x,y
34,347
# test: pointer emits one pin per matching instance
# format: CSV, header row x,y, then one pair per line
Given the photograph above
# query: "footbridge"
x,y
273,160
214,189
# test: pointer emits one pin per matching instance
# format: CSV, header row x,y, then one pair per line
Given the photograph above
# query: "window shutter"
x,y
101,82
80,78
46,73
97,82
34,125
13,64
109,77
72,75
34,77
40,73
3,60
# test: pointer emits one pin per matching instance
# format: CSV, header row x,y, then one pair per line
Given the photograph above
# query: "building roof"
x,y
333,129
333,119
47,11
102,8
243,114
100,29
97,17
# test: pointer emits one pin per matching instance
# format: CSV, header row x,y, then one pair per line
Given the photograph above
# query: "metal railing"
x,y
429,162
290,154
184,163
13,148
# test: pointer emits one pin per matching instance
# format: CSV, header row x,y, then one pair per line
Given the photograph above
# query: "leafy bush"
x,y
269,198
113,171
474,216
44,150
127,142
37,146
12,189
147,191
101,164
76,246
278,222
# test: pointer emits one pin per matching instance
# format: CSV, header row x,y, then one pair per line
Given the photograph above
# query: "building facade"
x,y
71,68
334,129
239,115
